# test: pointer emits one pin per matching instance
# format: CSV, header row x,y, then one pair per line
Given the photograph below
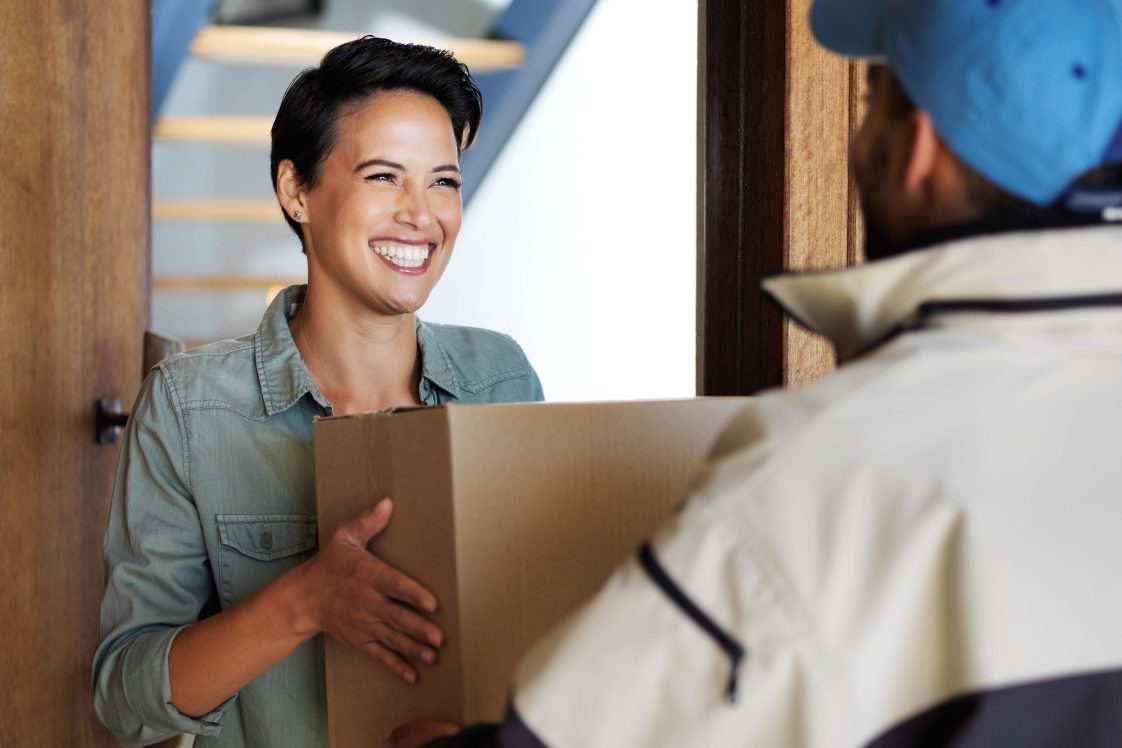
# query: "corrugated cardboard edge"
x,y
466,419
495,516
365,443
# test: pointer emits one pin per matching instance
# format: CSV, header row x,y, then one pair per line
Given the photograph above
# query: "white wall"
x,y
580,243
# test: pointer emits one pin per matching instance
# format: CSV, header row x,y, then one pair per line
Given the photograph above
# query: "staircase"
x,y
222,251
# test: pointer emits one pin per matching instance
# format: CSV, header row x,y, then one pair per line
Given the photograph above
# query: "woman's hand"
x,y
368,604
419,732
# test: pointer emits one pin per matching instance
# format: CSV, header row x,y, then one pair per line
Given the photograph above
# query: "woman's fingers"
x,y
391,659
409,622
371,605
395,584
419,732
405,646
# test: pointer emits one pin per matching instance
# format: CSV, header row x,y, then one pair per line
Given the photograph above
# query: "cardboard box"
x,y
513,515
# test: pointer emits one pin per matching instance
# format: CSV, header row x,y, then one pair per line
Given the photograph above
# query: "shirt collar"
x,y
284,377
860,306
281,372
436,364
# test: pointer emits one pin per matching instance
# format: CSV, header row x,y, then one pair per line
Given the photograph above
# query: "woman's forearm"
x,y
213,659
344,590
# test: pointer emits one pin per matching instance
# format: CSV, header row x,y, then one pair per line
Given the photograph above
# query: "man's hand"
x,y
368,604
419,732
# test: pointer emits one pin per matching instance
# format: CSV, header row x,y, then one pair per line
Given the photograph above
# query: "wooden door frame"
x,y
775,115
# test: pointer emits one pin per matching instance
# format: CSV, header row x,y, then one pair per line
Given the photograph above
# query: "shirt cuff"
x,y
146,665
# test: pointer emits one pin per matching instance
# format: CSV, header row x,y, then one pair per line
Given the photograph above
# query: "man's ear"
x,y
923,156
933,177
291,193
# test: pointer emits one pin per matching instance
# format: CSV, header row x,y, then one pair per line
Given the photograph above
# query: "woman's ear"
x,y
290,192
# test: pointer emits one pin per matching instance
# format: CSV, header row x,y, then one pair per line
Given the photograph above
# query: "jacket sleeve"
x,y
158,577
658,657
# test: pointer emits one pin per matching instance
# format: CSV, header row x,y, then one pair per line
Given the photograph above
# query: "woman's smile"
x,y
411,258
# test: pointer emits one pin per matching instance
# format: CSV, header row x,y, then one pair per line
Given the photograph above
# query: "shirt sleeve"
x,y
158,578
533,393
536,393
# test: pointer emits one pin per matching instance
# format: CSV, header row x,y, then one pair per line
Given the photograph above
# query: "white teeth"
x,y
403,255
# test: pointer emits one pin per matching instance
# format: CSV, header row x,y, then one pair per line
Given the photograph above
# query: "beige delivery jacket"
x,y
923,549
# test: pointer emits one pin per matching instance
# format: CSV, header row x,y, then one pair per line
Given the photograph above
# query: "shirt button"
x,y
266,540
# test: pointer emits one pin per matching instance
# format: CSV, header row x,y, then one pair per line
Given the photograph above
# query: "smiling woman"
x,y
216,590
380,224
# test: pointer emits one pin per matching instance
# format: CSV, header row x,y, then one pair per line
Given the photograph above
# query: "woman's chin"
x,y
406,305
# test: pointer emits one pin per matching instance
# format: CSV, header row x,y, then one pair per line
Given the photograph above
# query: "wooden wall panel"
x,y
818,220
776,113
74,133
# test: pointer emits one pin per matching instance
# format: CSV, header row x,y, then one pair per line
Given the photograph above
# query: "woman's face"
x,y
383,218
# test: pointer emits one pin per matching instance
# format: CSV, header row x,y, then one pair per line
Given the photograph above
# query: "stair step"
x,y
224,283
263,45
218,129
218,211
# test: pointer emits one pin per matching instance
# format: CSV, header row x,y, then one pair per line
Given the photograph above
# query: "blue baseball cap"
x,y
1027,92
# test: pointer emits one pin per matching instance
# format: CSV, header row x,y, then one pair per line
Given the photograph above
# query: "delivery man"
x,y
922,549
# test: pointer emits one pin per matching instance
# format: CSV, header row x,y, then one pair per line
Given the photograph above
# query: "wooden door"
x,y
776,113
74,247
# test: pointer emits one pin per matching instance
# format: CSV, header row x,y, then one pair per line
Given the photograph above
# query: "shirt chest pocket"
x,y
255,549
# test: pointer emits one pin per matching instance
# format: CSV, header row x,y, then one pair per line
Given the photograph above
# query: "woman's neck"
x,y
359,361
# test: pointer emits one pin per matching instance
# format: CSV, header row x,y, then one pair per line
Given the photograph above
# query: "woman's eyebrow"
x,y
394,165
379,162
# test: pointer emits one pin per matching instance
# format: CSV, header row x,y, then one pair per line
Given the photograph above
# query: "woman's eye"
x,y
448,182
383,176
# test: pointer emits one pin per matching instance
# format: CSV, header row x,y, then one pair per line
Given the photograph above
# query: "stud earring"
x,y
298,215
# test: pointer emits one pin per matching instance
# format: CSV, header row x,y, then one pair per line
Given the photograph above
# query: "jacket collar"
x,y
858,307
284,377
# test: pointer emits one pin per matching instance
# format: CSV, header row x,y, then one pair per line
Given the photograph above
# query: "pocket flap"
x,y
266,537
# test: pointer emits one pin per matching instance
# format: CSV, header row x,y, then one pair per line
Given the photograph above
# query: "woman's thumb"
x,y
373,520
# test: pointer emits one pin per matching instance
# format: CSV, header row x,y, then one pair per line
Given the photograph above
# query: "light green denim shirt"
x,y
215,498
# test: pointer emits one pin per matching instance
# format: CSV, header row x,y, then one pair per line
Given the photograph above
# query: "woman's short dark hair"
x,y
304,131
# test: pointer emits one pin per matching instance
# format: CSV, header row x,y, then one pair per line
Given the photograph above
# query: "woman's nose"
x,y
414,210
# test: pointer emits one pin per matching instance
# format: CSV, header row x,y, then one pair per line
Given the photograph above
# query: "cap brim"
x,y
849,27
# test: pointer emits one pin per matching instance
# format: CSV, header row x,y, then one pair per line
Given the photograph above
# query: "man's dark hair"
x,y
993,202
304,130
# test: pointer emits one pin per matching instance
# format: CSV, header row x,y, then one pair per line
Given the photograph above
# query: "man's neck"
x,y
987,226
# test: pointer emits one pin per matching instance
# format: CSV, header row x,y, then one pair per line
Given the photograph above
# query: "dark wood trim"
x,y
742,96
776,113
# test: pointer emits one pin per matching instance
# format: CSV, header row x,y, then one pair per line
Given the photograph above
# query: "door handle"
x,y
109,420
108,417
